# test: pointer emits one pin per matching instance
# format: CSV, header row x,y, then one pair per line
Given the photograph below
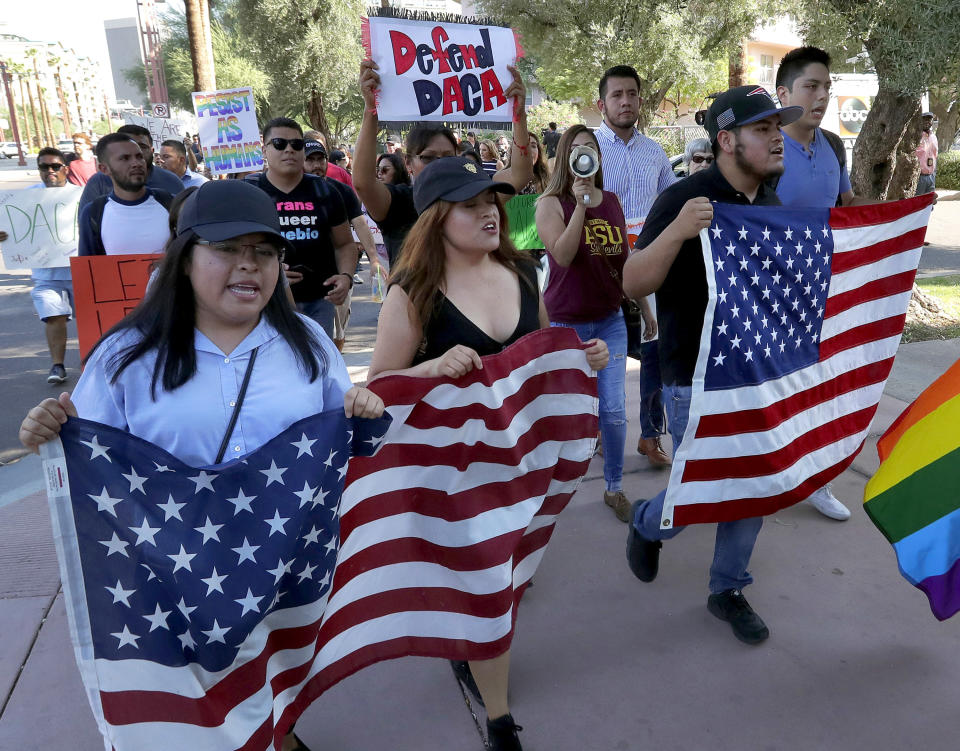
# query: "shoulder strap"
x,y
236,409
836,143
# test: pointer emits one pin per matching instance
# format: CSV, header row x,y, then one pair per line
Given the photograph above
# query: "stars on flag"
x,y
768,299
182,557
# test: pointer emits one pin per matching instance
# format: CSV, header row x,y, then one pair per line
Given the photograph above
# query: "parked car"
x,y
65,146
677,165
8,150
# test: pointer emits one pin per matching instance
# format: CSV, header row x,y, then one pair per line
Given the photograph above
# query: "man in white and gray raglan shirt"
x,y
132,218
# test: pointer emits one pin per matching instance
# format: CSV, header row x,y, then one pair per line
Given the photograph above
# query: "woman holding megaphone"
x,y
585,234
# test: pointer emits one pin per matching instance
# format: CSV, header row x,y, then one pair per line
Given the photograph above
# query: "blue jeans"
x,y
610,384
735,540
322,311
651,402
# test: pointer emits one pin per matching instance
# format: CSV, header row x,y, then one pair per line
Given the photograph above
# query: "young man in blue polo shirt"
x,y
814,168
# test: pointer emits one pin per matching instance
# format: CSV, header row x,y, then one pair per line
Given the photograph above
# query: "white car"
x,y
8,150
65,146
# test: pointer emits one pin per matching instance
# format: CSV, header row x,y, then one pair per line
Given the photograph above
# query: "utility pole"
x,y
13,112
201,45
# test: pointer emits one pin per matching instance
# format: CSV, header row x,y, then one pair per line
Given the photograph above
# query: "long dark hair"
x,y
561,181
166,318
400,174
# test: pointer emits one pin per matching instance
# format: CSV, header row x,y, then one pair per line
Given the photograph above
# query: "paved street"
x,y
602,662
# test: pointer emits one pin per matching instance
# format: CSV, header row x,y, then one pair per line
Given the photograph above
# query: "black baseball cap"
x,y
453,178
222,209
743,105
313,147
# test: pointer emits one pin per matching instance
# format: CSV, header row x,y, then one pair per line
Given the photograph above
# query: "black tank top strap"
x,y
448,327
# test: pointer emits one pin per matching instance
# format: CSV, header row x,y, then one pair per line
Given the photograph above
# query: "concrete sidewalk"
x,y
600,660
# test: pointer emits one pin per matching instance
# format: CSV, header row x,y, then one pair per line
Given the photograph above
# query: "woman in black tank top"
x,y
460,291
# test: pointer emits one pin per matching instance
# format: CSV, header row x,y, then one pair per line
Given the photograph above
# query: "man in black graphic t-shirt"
x,y
313,219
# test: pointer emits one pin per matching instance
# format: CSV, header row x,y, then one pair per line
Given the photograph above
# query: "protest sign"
x,y
161,128
438,71
229,136
41,225
521,217
105,289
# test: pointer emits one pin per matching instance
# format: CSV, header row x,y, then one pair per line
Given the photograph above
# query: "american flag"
x,y
196,605
803,320
444,527
195,594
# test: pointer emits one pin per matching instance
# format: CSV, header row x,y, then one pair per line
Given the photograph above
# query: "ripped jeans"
x,y
611,387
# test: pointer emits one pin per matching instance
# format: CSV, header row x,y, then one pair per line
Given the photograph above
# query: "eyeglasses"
x,y
261,251
50,167
699,159
281,143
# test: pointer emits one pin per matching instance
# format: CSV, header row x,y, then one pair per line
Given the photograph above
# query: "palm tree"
x,y
21,72
201,44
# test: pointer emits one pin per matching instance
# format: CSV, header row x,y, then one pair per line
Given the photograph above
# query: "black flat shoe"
x,y
502,734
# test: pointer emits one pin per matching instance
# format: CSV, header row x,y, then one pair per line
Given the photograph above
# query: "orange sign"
x,y
105,289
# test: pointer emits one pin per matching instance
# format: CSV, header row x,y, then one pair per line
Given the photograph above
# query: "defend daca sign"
x,y
453,72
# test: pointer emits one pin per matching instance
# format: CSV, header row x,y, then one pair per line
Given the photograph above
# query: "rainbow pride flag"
x,y
914,498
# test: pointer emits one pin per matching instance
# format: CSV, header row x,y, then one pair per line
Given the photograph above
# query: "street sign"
x,y
161,110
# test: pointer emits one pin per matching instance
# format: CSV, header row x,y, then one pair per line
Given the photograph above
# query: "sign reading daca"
x,y
41,226
430,70
229,136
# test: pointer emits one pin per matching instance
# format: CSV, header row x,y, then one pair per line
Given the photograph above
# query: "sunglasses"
x,y
698,159
384,168
48,167
281,143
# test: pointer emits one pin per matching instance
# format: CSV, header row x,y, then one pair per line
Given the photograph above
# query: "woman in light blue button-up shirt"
x,y
171,372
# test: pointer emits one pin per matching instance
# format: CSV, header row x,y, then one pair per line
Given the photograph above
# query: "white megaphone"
x,y
584,163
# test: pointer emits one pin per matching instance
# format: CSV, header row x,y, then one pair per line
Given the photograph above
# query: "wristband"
x,y
523,149
349,278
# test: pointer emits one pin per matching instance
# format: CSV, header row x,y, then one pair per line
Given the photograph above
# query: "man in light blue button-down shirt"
x,y
636,168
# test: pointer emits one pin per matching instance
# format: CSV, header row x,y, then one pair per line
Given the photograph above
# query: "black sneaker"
x,y
643,555
461,669
58,374
731,606
502,734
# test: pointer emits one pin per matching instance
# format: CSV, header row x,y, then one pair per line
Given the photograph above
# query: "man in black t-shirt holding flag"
x,y
313,219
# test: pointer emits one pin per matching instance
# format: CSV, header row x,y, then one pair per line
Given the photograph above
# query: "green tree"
x,y
669,43
311,51
564,114
912,45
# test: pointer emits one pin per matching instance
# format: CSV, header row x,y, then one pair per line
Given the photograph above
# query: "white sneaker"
x,y
827,504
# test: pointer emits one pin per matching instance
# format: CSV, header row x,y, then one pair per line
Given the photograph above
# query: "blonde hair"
x,y
561,181
490,144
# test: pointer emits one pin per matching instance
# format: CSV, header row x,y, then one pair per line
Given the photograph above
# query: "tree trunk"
x,y
26,120
49,136
650,103
64,106
882,168
737,68
76,93
208,37
33,116
317,116
201,56
948,113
